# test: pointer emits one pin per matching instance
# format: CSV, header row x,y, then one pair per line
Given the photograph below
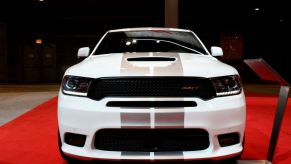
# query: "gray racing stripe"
x,y
169,155
151,68
175,119
150,118
169,120
131,153
129,119
173,69
135,120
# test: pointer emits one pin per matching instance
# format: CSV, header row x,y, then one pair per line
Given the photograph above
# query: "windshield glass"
x,y
150,41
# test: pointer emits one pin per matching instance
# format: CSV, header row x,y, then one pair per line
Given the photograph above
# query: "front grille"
x,y
151,87
151,140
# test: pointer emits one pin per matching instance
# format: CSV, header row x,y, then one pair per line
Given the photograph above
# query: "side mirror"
x,y
83,52
216,51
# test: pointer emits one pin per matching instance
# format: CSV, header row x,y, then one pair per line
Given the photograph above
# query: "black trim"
x,y
151,59
151,86
228,139
151,140
75,139
150,104
153,77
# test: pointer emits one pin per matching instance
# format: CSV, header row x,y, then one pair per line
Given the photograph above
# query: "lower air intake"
x,y
151,140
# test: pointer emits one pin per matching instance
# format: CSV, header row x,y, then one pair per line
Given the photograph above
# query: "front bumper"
x,y
221,115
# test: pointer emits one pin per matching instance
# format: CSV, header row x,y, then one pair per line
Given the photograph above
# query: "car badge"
x,y
190,88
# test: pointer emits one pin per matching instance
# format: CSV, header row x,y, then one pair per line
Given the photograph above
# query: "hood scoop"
x,y
151,59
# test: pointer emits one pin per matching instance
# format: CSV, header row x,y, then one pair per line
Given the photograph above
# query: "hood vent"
x,y
151,59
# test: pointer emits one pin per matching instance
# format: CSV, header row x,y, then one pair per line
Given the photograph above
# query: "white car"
x,y
151,94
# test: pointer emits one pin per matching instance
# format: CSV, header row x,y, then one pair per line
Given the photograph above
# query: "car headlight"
x,y
74,85
227,85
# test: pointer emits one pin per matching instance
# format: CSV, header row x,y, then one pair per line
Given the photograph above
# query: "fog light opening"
x,y
75,139
228,139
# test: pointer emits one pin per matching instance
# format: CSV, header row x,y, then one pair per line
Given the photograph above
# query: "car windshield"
x,y
150,41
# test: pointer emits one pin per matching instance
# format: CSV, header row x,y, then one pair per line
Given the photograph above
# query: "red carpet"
x,y
32,138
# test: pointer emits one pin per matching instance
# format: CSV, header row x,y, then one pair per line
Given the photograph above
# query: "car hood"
x,y
150,64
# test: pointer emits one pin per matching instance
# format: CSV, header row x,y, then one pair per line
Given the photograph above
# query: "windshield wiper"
x,y
191,49
177,44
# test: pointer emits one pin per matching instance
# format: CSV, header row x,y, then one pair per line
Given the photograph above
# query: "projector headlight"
x,y
227,85
77,86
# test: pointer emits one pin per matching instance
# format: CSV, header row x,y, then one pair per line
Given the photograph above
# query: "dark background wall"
x,y
66,25
261,26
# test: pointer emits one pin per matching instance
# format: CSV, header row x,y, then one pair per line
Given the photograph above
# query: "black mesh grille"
x,y
151,87
151,140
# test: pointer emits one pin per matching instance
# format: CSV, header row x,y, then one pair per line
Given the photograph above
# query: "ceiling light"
x,y
38,41
257,9
128,43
